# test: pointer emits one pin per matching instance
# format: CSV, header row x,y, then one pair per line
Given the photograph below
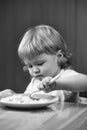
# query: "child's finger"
x,y
46,81
40,86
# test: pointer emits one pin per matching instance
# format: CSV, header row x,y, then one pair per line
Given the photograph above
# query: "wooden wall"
x,y
69,17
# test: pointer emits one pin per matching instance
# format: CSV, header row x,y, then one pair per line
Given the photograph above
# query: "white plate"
x,y
33,104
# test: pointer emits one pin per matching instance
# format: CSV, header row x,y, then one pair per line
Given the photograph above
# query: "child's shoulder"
x,y
69,72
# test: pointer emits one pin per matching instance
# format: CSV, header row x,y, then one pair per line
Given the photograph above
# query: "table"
x,y
58,116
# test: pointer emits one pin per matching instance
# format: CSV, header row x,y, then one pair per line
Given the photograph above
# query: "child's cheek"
x,y
30,72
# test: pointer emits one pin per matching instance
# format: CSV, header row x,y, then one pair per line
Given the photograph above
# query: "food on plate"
x,y
23,99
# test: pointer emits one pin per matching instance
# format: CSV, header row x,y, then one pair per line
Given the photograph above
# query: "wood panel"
x,y
68,17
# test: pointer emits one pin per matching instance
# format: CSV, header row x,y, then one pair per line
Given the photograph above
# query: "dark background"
x,y
69,17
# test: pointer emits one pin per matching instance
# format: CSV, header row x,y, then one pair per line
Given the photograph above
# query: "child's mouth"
x,y
40,77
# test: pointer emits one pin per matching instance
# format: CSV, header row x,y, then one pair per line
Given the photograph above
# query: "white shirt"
x,y
62,95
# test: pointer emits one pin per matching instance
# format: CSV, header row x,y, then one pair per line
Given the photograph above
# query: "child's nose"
x,y
36,69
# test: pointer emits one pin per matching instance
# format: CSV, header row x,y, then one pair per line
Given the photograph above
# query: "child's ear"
x,y
59,54
61,60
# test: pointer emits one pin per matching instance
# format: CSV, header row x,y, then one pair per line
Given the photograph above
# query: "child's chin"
x,y
40,78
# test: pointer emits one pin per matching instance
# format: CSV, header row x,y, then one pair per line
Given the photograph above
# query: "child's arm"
x,y
75,83
6,92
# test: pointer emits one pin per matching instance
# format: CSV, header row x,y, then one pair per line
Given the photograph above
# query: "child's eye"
x,y
39,64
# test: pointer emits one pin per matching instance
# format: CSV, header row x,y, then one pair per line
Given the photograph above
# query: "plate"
x,y
16,102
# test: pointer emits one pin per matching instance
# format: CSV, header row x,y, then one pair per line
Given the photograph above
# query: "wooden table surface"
x,y
58,116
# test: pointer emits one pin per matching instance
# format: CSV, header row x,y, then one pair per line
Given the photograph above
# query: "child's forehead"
x,y
36,58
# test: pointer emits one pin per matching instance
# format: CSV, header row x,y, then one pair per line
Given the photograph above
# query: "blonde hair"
x,y
42,39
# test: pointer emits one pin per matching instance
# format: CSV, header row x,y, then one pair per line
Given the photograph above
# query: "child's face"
x,y
43,65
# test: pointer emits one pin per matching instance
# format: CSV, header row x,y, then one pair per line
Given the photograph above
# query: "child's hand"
x,y
5,93
46,84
